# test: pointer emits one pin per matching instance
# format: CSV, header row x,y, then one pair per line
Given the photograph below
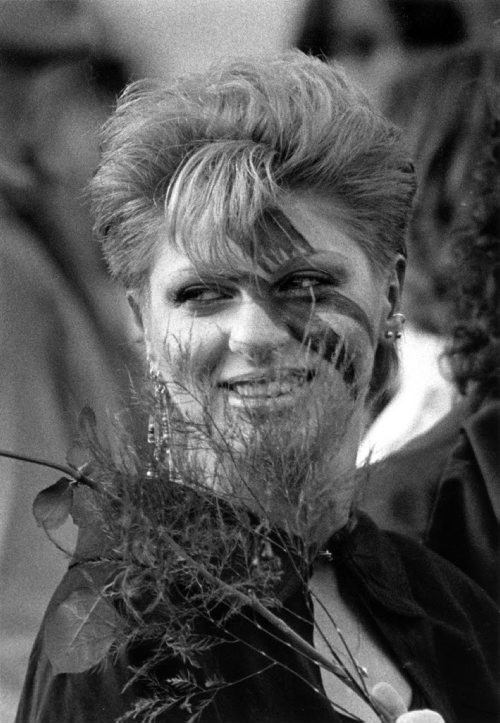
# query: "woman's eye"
x,y
303,285
306,283
201,294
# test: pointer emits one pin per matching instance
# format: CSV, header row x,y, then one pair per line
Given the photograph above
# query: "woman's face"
x,y
255,337
268,339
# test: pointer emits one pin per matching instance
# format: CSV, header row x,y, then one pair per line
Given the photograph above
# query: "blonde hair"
x,y
209,155
204,162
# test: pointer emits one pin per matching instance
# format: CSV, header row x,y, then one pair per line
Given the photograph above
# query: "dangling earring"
x,y
159,431
151,471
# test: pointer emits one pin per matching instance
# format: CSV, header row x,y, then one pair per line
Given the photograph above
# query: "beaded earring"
x,y
159,429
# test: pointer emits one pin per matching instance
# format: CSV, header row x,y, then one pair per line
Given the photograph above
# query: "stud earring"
x,y
389,334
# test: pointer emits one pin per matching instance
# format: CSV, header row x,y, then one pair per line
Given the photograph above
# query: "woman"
x,y
256,215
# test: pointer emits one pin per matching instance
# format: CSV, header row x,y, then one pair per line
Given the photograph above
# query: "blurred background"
x,y
66,337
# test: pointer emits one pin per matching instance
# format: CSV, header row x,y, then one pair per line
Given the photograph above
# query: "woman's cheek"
x,y
357,343
193,350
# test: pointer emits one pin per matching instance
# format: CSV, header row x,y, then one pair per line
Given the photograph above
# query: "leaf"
x,y
52,505
80,631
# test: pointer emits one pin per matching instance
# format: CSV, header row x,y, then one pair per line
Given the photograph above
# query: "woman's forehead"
x,y
270,242
300,228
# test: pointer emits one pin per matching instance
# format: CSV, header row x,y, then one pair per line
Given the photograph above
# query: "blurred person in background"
x,y
375,39
64,331
448,481
372,38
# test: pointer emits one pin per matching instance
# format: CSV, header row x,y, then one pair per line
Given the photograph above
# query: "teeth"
x,y
268,388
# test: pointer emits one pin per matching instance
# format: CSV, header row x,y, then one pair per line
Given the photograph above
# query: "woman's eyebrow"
x,y
331,261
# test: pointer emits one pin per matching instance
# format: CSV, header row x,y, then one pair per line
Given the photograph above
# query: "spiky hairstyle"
x,y
207,157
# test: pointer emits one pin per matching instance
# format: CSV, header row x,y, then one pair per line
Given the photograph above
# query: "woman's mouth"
x,y
257,389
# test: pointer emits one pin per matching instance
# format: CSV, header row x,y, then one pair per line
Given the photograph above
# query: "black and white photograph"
x,y
249,361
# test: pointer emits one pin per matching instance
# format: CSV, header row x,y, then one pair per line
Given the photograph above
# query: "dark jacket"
x,y
439,627
443,489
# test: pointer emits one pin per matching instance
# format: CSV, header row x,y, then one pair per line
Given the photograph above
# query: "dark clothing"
x,y
443,489
438,626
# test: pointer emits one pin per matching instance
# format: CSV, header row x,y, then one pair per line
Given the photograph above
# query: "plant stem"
x,y
302,645
70,471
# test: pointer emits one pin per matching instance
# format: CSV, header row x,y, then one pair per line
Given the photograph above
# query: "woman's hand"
x,y
390,705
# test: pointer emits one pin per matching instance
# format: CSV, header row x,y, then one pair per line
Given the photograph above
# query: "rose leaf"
x,y
80,631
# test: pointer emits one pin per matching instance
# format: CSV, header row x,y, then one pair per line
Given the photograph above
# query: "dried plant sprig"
x,y
278,470
181,552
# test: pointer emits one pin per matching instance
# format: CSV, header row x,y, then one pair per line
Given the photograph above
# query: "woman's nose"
x,y
256,330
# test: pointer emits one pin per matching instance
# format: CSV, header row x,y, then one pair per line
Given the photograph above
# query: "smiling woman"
x,y
261,334
256,216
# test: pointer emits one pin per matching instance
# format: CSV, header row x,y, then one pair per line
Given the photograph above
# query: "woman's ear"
x,y
395,285
393,320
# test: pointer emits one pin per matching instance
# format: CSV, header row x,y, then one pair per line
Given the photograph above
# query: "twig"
x,y
302,645
70,471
